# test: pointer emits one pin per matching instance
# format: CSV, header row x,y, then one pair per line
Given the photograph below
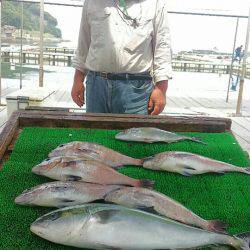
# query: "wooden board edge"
x,y
8,132
64,119
68,111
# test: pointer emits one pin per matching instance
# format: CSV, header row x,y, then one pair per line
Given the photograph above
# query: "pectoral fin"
x,y
147,209
73,178
188,171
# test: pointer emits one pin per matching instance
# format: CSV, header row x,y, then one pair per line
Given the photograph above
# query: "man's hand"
x,y
157,101
77,92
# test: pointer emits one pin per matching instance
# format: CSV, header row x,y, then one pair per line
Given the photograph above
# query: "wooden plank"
x,y
8,132
66,119
243,122
162,118
241,131
15,137
46,108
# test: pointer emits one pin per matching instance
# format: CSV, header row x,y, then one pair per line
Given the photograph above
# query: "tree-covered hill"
x,y
11,15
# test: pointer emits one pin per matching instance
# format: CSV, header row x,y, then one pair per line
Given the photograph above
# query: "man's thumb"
x,y
150,104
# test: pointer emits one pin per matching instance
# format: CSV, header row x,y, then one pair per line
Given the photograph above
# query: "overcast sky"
x,y
188,32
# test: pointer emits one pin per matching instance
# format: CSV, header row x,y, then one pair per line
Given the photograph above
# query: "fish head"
x,y
29,196
60,225
46,165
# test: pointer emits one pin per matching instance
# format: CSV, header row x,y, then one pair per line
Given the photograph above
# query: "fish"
x,y
153,201
94,151
151,135
62,194
72,169
104,226
189,164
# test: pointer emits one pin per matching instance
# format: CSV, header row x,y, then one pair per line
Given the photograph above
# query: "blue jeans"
x,y
117,96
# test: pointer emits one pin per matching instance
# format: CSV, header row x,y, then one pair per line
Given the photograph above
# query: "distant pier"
x,y
208,67
64,57
52,56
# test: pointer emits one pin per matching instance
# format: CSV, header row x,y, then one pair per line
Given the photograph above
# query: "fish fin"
x,y
245,239
220,173
217,226
196,139
73,178
118,167
187,174
147,183
147,209
147,159
187,170
67,200
64,203
247,170
104,215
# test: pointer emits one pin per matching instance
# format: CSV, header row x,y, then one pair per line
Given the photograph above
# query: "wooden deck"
x,y
179,102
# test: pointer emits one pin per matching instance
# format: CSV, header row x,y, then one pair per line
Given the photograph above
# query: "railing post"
x,y
243,70
0,52
230,75
41,43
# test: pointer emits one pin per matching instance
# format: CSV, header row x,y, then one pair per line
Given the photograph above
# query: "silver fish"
x,y
72,169
189,164
62,194
150,135
156,202
103,226
95,152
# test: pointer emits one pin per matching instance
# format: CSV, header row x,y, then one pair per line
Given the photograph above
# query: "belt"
x,y
123,76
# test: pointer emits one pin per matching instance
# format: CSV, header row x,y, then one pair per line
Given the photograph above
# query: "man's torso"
x,y
119,44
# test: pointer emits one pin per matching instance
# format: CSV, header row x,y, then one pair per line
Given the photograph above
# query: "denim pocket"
x,y
140,84
89,78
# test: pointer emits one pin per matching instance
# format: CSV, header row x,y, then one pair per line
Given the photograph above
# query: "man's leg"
x,y
96,94
131,96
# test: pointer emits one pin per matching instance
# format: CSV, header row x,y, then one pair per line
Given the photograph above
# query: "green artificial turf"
x,y
225,197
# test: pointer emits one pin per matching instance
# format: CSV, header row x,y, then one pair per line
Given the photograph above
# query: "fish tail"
x,y
244,240
217,226
145,183
117,167
197,139
246,170
147,159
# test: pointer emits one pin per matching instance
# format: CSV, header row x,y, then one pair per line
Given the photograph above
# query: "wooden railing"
x,y
64,57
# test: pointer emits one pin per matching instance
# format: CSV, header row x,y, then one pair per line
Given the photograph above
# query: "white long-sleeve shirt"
x,y
110,42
